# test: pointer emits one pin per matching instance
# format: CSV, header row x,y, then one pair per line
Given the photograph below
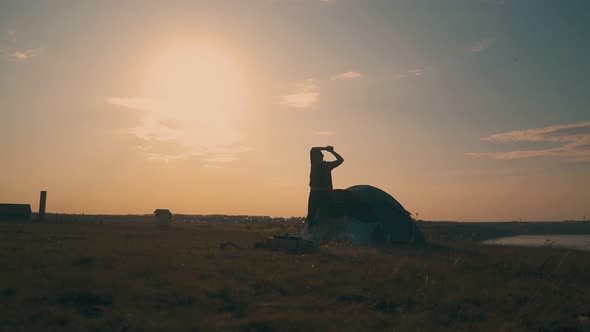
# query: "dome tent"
x,y
365,215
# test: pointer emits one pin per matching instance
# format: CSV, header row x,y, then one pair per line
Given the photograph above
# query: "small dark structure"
x,y
15,212
163,214
42,203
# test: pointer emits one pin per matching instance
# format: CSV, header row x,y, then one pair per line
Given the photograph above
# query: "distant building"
x,y
15,211
163,215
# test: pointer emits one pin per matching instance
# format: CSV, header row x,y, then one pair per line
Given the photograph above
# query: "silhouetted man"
x,y
320,180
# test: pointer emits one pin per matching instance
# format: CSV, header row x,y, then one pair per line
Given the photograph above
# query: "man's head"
x,y
316,156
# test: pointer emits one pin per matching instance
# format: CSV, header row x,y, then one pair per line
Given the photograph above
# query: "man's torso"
x,y
320,177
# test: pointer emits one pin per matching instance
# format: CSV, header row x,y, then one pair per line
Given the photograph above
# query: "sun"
x,y
197,94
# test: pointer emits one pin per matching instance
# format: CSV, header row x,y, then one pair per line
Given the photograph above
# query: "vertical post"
x,y
42,201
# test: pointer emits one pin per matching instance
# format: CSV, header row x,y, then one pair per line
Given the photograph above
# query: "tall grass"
x,y
124,276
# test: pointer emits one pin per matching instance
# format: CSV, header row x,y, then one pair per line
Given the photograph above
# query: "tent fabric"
x,y
364,215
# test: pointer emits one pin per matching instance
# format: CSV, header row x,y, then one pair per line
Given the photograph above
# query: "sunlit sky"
x,y
475,110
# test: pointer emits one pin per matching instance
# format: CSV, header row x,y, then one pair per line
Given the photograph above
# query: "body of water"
x,y
578,242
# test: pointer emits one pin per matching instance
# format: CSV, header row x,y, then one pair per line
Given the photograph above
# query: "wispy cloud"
x,y
574,140
326,133
133,103
556,133
21,55
169,132
411,73
346,75
305,95
416,72
18,54
482,45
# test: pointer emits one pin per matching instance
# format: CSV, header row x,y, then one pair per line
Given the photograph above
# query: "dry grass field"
x,y
134,276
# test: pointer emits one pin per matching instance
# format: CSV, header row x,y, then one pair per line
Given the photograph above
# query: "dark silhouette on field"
x,y
362,214
15,211
320,180
163,214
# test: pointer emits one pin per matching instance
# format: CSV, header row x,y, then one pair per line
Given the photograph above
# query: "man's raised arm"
x,y
339,159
